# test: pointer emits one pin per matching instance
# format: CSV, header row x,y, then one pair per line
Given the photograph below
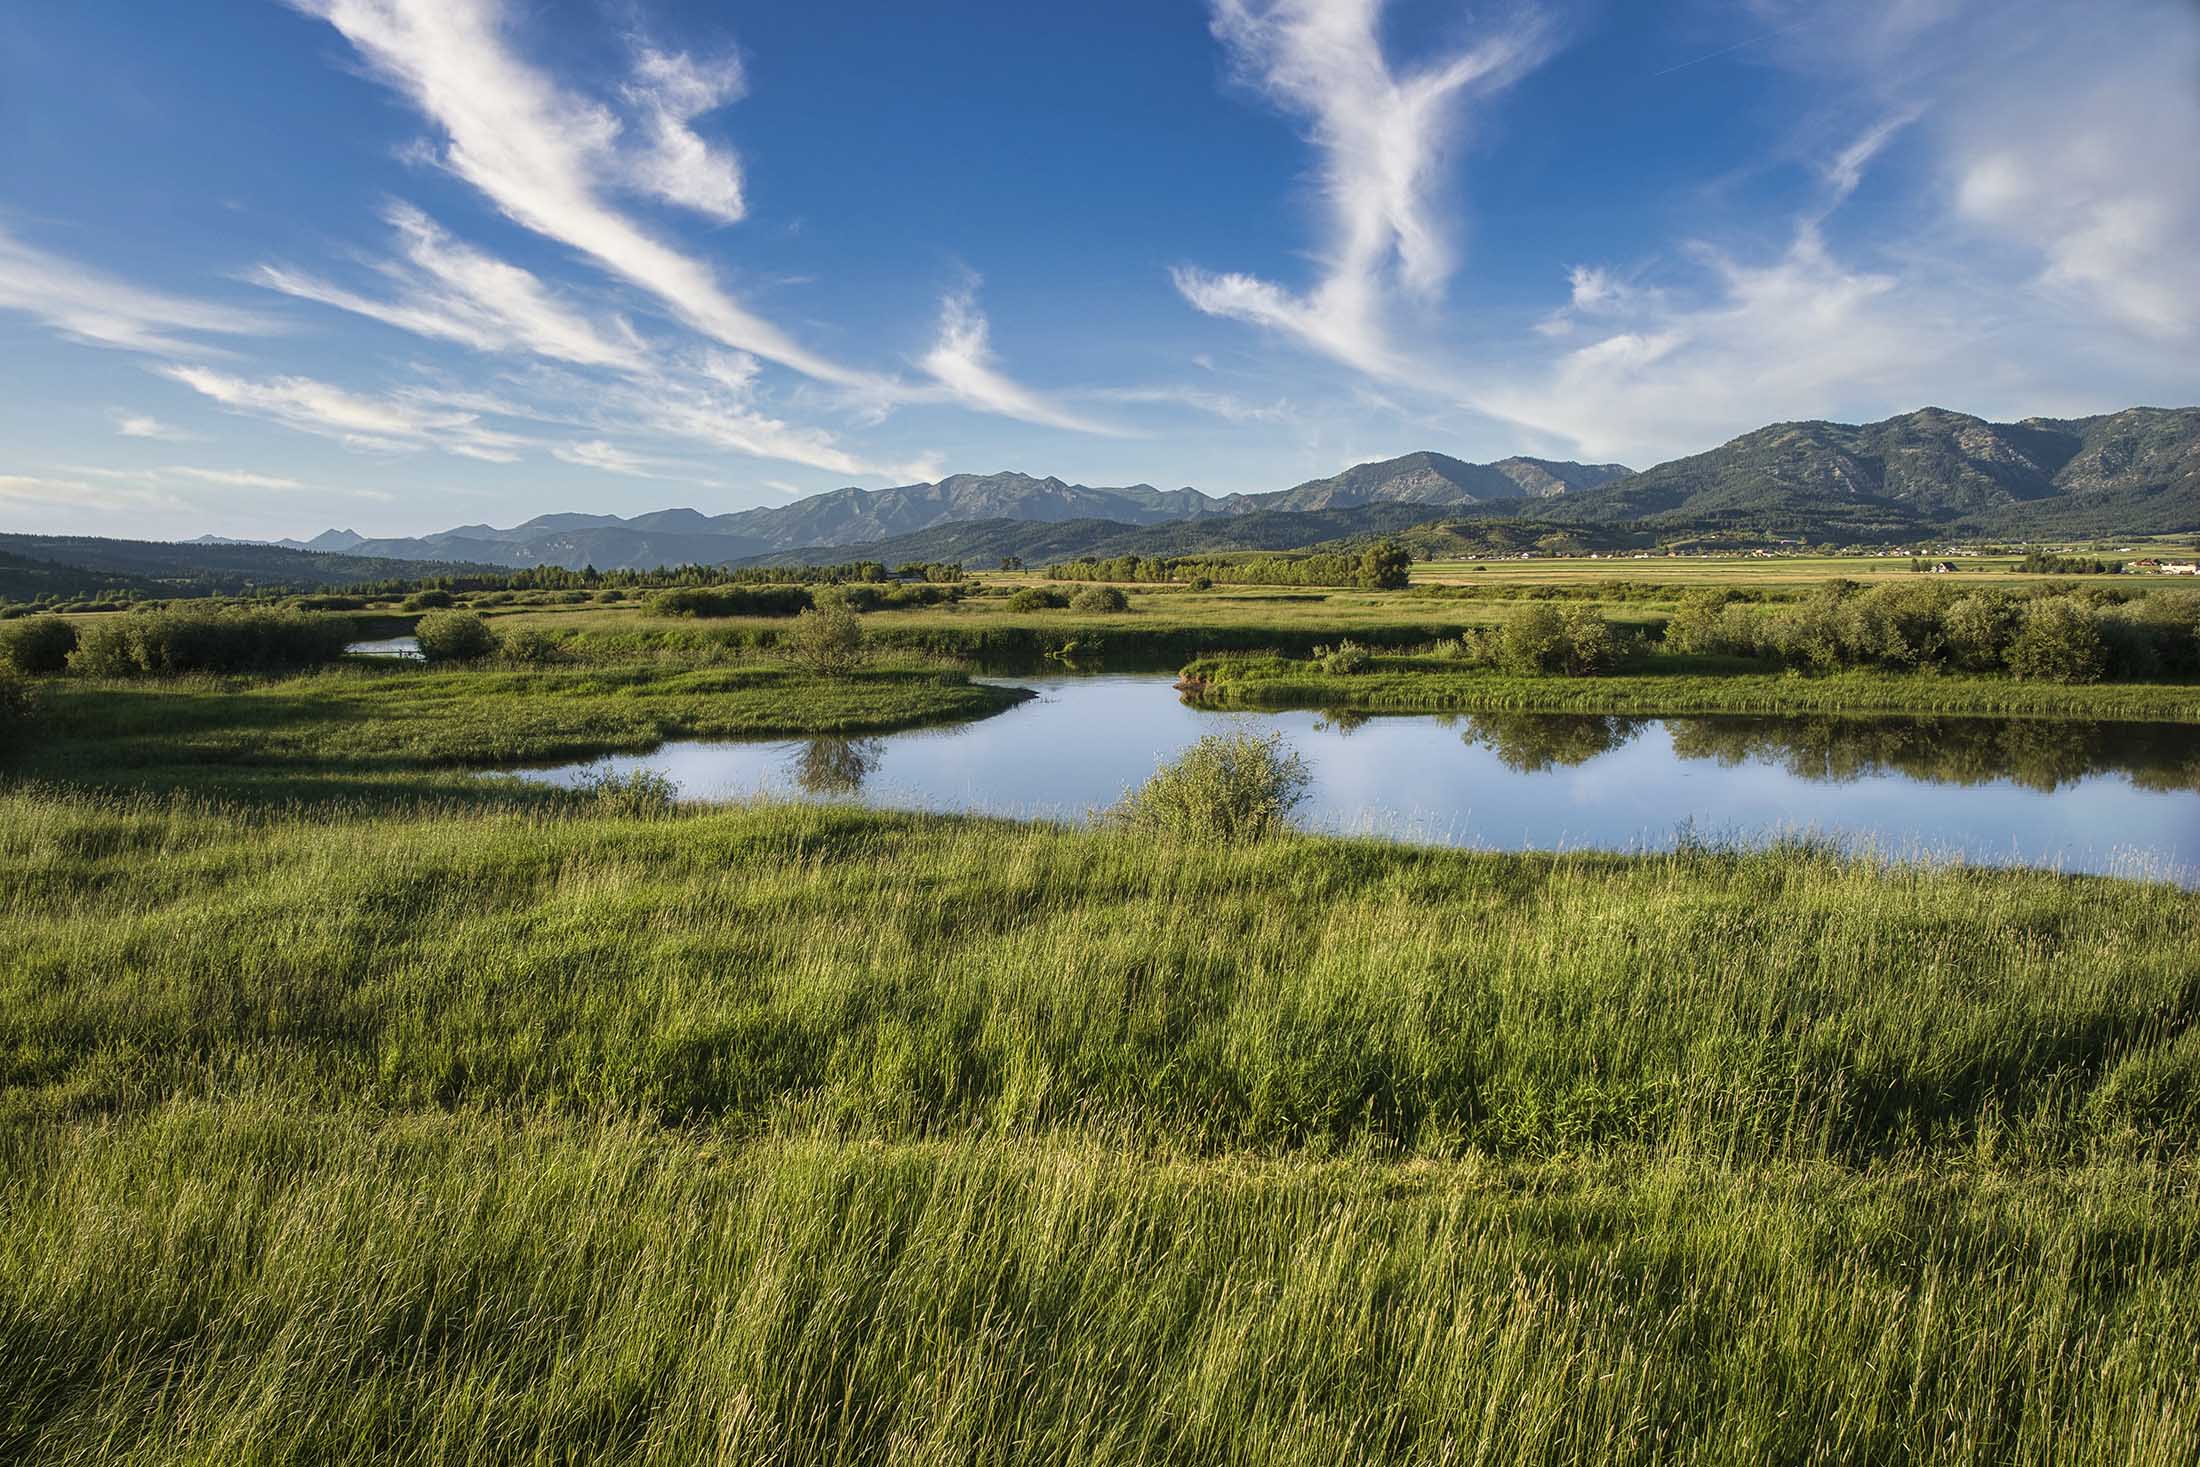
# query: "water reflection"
x,y
2037,753
832,767
2081,795
1529,742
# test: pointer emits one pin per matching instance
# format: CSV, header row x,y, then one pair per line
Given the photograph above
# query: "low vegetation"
x,y
2056,636
38,644
810,1133
1225,789
827,639
354,1103
1382,566
183,640
398,731
18,710
454,636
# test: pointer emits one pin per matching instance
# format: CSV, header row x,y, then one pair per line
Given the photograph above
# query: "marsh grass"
x,y
792,1133
406,728
1437,681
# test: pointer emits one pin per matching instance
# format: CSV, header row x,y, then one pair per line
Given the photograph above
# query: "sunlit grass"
x,y
799,1133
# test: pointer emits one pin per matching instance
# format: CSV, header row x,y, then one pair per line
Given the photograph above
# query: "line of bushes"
x,y
228,641
2055,636
787,600
1381,566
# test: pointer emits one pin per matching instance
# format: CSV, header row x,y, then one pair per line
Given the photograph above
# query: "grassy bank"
x,y
238,1283
799,1133
404,728
1407,684
902,977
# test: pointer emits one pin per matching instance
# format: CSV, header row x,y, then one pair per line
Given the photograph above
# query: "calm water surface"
x,y
403,647
2082,796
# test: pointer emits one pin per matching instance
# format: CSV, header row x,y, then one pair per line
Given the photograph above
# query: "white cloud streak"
x,y
670,91
144,425
1380,135
962,362
546,157
35,491
452,291
379,423
95,308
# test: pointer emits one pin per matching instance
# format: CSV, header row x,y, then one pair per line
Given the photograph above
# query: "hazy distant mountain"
x,y
854,519
2131,472
1435,478
2127,472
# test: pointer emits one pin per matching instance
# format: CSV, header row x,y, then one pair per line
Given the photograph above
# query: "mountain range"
x,y
855,519
1923,473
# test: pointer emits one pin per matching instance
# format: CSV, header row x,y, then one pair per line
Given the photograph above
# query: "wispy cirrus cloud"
x,y
607,457
449,290
43,492
548,158
384,422
962,361
1224,405
144,425
670,90
99,309
1380,133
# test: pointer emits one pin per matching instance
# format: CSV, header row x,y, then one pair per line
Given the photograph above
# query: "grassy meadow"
x,y
358,1106
785,1133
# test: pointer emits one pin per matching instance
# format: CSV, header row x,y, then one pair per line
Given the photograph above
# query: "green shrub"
x,y
1385,566
2061,642
1979,628
1699,627
260,640
530,646
1227,788
38,644
1344,659
1533,639
454,636
2173,619
709,601
827,639
1590,646
1035,598
428,601
1099,600
18,710
638,794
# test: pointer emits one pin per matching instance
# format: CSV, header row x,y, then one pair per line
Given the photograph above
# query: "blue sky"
x,y
403,264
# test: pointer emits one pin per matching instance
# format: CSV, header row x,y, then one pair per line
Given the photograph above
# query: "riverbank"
x,y
807,1130
394,728
1408,684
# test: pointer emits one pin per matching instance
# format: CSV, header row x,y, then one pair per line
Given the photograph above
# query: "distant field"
x,y
1756,571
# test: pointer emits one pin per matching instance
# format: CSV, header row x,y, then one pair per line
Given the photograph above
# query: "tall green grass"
x,y
901,977
425,1133
371,731
237,1283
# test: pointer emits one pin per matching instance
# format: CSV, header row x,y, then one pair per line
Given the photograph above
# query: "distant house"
x,y
2145,565
2180,568
1944,567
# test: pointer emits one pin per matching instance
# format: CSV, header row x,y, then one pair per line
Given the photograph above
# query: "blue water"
x,y
2100,797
